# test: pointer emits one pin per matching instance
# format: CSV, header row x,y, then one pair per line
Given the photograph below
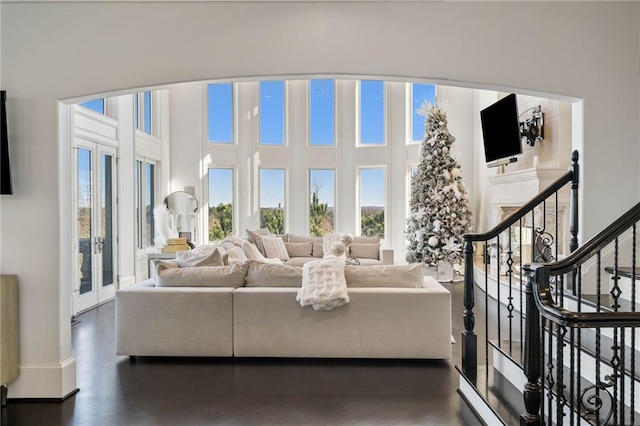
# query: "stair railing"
x,y
530,234
580,351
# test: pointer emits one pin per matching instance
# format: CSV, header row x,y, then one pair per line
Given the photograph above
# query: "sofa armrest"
x,y
386,256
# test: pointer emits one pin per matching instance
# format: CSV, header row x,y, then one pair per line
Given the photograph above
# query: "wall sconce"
x,y
532,129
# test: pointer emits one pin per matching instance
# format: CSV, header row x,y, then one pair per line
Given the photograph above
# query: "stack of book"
x,y
175,244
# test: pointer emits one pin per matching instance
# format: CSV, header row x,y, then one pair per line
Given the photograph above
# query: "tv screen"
x,y
501,129
5,169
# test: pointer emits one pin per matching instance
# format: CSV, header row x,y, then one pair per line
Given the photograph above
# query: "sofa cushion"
x,y
365,239
299,249
370,262
385,275
299,261
258,233
252,252
210,255
317,247
236,255
365,250
202,276
295,238
272,275
274,248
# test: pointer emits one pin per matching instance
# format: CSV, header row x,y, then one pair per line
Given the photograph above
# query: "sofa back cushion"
x,y
365,250
202,276
296,238
299,249
385,275
366,240
272,275
317,247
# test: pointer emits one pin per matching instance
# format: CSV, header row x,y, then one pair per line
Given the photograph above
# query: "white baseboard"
x,y
50,381
125,282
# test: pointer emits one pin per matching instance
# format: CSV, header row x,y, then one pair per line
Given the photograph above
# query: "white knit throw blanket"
x,y
323,285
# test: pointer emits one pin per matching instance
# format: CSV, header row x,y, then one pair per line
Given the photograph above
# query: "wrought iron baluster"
x,y
633,329
486,321
572,375
521,296
498,298
510,306
550,373
560,386
615,359
622,374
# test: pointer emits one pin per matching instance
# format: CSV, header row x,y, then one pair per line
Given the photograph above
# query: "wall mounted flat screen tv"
x,y
5,169
501,129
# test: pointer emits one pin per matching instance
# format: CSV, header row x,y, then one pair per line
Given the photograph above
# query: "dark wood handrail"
x,y
597,243
522,211
539,273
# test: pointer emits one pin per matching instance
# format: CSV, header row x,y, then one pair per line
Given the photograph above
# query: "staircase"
x,y
556,343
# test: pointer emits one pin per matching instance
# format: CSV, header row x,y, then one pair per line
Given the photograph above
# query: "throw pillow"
x,y
272,275
203,276
202,257
236,241
236,255
299,249
365,250
252,252
274,248
258,233
385,275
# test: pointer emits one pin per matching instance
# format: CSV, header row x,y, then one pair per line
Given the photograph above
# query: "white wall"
x,y
582,50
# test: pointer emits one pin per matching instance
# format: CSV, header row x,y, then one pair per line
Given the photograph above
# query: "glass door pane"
x,y
85,219
107,220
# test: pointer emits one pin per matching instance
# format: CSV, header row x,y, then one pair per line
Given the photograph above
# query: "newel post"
x,y
573,226
532,393
469,337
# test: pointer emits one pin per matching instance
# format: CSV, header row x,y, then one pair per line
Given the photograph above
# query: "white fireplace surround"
x,y
512,190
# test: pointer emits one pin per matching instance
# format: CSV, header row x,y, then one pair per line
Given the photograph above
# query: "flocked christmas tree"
x,y
439,207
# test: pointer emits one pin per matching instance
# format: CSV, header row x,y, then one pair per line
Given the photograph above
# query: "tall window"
x,y
372,112
96,105
322,201
420,93
143,112
145,194
321,112
372,202
272,198
220,203
272,112
147,113
220,112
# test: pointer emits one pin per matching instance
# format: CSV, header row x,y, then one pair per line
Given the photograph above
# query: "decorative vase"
x,y
430,270
445,271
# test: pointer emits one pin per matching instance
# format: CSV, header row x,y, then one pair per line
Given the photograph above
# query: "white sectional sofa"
x,y
266,321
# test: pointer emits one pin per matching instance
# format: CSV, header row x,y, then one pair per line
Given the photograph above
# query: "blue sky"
x,y
321,132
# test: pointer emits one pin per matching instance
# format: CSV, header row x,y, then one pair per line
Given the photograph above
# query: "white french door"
x,y
96,243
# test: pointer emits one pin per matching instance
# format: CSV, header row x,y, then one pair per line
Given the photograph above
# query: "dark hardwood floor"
x,y
211,391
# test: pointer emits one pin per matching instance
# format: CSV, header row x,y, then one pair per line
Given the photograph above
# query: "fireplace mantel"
x,y
513,189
